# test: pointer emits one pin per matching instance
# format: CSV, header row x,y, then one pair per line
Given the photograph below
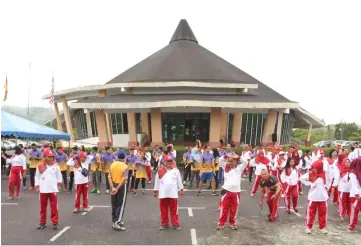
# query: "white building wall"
x,y
119,140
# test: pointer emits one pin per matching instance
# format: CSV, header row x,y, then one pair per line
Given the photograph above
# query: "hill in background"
x,y
37,114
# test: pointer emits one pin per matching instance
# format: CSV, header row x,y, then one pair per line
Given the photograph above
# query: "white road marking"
x,y
9,203
59,233
194,237
297,214
291,209
100,206
192,207
190,212
90,208
193,190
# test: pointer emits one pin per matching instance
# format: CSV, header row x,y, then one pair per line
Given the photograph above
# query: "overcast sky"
x,y
309,51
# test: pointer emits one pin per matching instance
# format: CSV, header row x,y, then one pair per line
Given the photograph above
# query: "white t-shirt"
x,y
317,192
169,185
355,190
345,184
292,179
48,180
232,178
78,177
17,161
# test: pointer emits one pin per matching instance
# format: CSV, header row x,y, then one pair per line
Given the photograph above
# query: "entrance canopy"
x,y
17,127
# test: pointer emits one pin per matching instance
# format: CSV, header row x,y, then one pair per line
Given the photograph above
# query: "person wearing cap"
x,y
231,189
61,158
80,162
168,182
35,157
48,183
118,175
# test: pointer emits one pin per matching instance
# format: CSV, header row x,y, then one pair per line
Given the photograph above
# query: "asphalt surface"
x,y
198,217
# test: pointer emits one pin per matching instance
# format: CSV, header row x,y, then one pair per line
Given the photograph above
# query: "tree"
x,y
346,131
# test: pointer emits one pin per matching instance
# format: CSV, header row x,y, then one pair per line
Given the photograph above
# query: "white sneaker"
x,y
86,210
252,194
341,218
301,193
324,231
107,191
282,195
308,231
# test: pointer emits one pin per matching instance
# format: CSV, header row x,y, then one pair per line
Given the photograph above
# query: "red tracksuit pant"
x,y
335,194
149,172
169,204
256,182
53,198
229,206
300,189
81,190
344,205
273,205
291,191
311,210
355,209
15,179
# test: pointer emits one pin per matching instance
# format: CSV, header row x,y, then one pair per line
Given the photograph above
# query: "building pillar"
x,y
132,129
69,127
308,140
102,128
144,123
224,126
88,124
109,129
279,127
269,127
58,120
156,119
236,130
215,127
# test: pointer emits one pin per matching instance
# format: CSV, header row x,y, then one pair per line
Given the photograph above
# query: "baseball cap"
x,y
168,158
82,154
47,152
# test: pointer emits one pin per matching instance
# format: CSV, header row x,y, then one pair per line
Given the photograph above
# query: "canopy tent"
x,y
18,127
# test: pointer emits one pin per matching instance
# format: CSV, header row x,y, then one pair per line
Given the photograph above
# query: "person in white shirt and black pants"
x,y
168,182
48,182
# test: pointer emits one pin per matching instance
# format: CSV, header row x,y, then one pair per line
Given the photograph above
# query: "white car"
x,y
320,143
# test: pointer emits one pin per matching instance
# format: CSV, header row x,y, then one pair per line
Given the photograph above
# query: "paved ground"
x,y
142,221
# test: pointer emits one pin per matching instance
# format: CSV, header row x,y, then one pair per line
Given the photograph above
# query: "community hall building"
x,y
181,93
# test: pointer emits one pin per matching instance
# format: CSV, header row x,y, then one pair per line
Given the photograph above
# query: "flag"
x,y
51,100
6,89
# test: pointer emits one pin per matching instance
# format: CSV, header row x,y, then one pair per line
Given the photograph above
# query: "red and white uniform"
x,y
355,192
317,200
232,186
246,155
81,182
167,184
260,163
290,178
344,188
316,154
334,176
47,180
18,166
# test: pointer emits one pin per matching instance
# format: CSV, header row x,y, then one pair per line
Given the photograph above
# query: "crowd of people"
x,y
275,172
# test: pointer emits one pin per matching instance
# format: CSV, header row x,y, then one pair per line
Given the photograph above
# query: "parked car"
x,y
8,145
340,142
325,143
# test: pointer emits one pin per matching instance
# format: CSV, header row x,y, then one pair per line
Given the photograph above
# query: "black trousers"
x,y
96,179
250,175
32,172
137,183
118,202
131,180
107,181
196,175
65,179
187,173
71,180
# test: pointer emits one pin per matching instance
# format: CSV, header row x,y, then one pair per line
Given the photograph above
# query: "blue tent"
x,y
18,127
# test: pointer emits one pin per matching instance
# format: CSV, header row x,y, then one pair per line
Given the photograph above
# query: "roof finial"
x,y
183,32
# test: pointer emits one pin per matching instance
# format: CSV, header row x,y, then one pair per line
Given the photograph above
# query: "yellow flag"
x,y
6,89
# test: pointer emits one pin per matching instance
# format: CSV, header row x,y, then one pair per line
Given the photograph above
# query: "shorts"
x,y
207,175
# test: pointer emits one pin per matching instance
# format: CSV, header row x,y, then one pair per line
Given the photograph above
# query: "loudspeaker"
x,y
274,137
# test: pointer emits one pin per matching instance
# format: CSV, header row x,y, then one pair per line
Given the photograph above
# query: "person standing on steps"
x,y
48,183
118,175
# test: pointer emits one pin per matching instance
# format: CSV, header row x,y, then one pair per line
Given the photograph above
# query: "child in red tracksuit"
x,y
167,183
48,181
290,177
317,196
81,181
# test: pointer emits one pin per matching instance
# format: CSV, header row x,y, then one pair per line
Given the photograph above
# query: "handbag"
x,y
84,171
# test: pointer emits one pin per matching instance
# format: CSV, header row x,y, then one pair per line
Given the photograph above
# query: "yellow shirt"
x,y
95,164
141,171
196,166
34,163
118,171
62,166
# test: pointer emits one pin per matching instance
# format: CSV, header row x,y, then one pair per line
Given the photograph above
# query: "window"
x,y
119,123
93,124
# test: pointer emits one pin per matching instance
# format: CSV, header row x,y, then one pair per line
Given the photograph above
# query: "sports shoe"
x,y
120,223
10,198
177,228
40,226
341,218
296,210
86,210
308,231
351,230
282,196
324,231
25,187
199,193
116,226
288,212
107,191
301,192
220,227
135,193
98,192
252,194
149,182
162,227
17,197
93,191
31,188
55,227
76,211
233,227
214,193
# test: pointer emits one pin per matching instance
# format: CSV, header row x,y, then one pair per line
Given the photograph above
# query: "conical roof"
x,y
183,32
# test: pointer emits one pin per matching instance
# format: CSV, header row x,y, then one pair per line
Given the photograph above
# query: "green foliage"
x,y
348,131
316,135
